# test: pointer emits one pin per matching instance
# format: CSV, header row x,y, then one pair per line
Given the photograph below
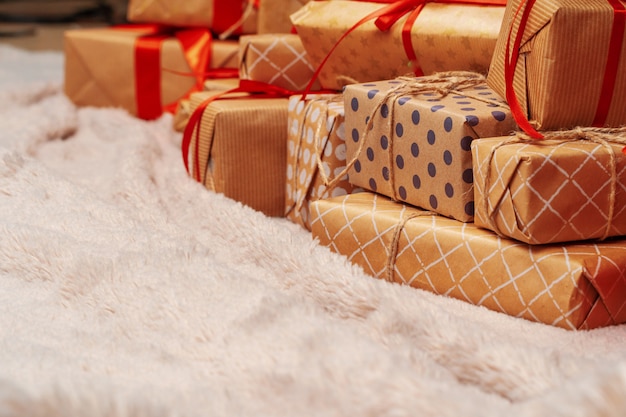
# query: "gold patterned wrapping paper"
x,y
277,59
549,191
418,150
446,37
574,286
196,13
93,80
242,150
562,61
316,153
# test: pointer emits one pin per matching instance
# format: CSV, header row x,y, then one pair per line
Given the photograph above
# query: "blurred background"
x,y
39,24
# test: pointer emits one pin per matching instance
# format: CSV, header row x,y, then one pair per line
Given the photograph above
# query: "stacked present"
x,y
472,148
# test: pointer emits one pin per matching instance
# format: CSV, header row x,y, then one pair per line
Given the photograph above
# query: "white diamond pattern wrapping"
x,y
573,286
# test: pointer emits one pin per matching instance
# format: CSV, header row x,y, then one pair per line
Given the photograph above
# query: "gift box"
x,y
316,152
550,191
240,149
222,17
274,15
444,37
569,68
277,59
151,71
409,138
183,109
574,286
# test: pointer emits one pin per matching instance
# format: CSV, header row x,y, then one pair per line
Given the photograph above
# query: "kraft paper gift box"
x,y
444,37
226,17
102,69
571,69
316,152
412,143
241,149
574,286
274,15
183,109
552,190
277,59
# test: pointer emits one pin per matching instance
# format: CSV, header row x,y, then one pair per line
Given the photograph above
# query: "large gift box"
x,y
550,191
316,153
277,59
239,148
409,138
274,15
567,68
221,16
138,69
575,286
444,37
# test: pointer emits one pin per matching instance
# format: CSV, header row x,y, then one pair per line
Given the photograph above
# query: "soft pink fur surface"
x,y
127,289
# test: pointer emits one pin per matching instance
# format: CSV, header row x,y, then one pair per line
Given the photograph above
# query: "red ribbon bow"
x,y
387,16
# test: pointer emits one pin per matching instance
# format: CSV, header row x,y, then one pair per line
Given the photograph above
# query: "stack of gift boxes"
x,y
468,148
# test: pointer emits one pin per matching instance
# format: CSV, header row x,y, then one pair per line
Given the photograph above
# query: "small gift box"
x,y
568,67
151,72
554,190
409,138
316,152
221,16
183,110
239,148
277,59
575,286
443,37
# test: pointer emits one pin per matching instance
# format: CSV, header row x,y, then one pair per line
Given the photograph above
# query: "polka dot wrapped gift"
x,y
409,138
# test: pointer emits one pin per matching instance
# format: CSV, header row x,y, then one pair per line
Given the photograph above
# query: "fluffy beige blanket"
x,y
127,289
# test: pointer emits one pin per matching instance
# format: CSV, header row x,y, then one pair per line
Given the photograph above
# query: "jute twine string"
x,y
602,136
392,250
441,83
319,149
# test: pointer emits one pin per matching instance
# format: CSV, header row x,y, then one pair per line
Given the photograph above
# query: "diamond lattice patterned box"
x,y
550,191
277,59
445,37
316,154
418,149
574,286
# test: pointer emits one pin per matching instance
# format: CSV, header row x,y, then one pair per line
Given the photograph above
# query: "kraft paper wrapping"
x,y
575,286
418,150
549,191
446,37
274,15
242,150
316,153
558,78
92,78
277,59
192,13
183,109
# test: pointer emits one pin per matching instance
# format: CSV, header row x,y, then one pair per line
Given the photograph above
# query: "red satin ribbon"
x,y
196,45
226,13
387,16
255,89
610,72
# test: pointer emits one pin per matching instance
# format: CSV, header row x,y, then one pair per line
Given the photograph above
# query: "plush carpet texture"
x,y
127,289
